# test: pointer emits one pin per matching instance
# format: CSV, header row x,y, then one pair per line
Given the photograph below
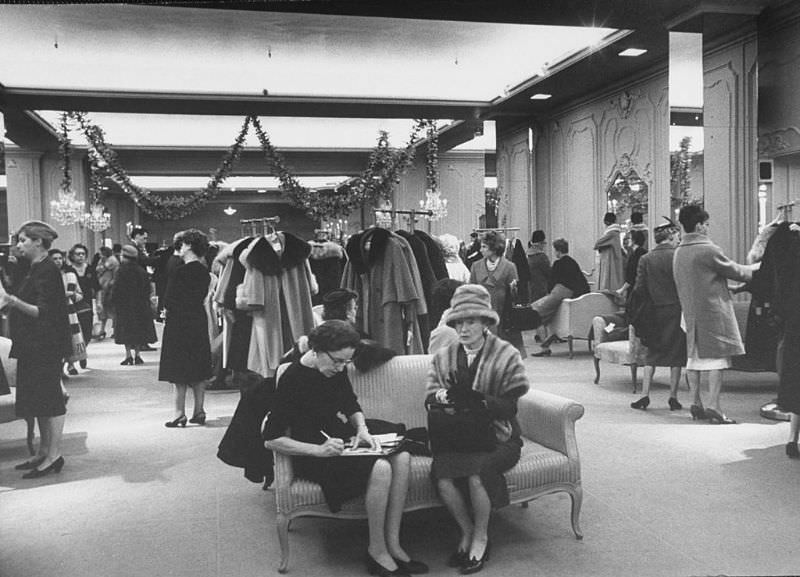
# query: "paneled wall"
x,y
577,152
779,105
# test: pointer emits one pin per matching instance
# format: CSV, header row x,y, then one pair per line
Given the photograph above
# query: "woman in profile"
x,y
186,350
40,340
304,422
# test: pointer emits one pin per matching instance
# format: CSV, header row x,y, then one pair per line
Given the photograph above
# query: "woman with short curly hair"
x,y
186,350
496,274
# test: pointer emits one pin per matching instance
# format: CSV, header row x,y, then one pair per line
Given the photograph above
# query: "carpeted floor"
x,y
663,495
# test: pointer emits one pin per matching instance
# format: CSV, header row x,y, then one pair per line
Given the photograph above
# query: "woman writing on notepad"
x,y
305,422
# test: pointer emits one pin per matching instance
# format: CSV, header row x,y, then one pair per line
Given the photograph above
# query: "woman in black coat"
x,y
130,297
185,348
40,339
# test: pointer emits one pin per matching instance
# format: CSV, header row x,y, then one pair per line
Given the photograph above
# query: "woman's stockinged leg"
x,y
401,470
180,400
377,500
455,503
55,429
199,390
694,386
482,508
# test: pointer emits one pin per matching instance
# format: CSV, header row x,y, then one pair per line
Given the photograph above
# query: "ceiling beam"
x,y
27,130
236,104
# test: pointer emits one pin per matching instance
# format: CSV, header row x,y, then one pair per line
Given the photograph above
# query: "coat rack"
x,y
413,214
263,226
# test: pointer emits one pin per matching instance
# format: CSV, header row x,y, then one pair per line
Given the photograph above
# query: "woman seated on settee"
x,y
304,423
478,367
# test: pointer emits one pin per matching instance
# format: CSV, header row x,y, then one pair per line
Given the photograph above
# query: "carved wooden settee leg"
x,y
283,539
596,370
577,501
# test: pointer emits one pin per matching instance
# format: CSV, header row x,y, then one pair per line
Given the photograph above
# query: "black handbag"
x,y
453,429
523,318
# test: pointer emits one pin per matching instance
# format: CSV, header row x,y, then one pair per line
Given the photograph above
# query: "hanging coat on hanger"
x,y
238,332
277,289
382,270
435,254
327,259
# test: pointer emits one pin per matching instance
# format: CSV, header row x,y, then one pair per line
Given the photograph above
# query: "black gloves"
x,y
461,393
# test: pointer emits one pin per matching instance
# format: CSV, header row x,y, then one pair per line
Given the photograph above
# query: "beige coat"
x,y
701,275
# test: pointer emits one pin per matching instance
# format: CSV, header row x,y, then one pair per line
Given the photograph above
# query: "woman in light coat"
x,y
712,333
611,267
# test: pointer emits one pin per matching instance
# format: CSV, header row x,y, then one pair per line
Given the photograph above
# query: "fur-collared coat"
x,y
274,283
382,270
611,268
701,277
500,376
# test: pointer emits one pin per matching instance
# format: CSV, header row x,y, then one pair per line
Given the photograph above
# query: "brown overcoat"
x,y
701,274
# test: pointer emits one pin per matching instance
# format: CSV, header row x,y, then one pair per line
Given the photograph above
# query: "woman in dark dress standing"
x,y
130,297
40,340
185,349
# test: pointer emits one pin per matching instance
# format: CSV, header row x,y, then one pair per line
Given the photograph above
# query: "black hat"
x,y
537,236
339,296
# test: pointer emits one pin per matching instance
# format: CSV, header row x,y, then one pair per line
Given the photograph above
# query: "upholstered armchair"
x,y
629,352
573,319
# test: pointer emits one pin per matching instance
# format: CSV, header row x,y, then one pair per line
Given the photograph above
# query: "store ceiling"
x,y
465,60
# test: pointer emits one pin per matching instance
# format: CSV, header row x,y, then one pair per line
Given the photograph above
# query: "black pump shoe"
x,y
375,568
642,403
717,417
791,451
474,565
179,422
199,418
55,467
411,567
674,405
698,412
31,464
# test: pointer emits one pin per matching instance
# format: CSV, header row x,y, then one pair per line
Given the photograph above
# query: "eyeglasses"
x,y
338,362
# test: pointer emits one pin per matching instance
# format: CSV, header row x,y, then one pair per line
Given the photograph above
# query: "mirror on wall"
x,y
626,192
686,119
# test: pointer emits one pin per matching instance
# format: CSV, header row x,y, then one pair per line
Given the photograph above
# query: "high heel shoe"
x,y
138,360
199,418
179,422
474,565
717,417
32,464
791,451
698,413
375,568
642,403
674,405
127,361
55,467
411,567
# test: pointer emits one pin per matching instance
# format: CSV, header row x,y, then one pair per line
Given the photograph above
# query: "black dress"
x,y
308,402
40,343
130,296
186,349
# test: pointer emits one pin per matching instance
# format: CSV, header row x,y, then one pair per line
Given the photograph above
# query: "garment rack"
x,y
267,225
413,213
502,229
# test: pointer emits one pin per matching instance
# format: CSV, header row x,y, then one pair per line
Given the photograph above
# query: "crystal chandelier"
x,y
435,204
97,219
67,210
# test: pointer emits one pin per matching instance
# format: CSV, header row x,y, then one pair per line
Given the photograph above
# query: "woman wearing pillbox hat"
x,y
477,368
40,336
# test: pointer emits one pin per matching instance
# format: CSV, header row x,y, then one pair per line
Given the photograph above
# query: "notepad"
x,y
389,444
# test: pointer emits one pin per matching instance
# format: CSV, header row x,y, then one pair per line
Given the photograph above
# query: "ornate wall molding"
x,y
779,142
625,102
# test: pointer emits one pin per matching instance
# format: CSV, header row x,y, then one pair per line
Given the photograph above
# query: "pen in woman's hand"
x,y
324,434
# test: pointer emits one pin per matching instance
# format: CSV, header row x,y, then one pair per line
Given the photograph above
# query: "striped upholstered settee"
x,y
396,392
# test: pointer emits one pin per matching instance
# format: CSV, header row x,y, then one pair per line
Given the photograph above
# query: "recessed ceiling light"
x,y
230,211
632,52
541,96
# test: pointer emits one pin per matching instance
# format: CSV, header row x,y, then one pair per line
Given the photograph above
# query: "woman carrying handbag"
x,y
478,370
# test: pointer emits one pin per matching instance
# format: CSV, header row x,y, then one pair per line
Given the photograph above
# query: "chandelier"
x,y
435,204
97,219
67,209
